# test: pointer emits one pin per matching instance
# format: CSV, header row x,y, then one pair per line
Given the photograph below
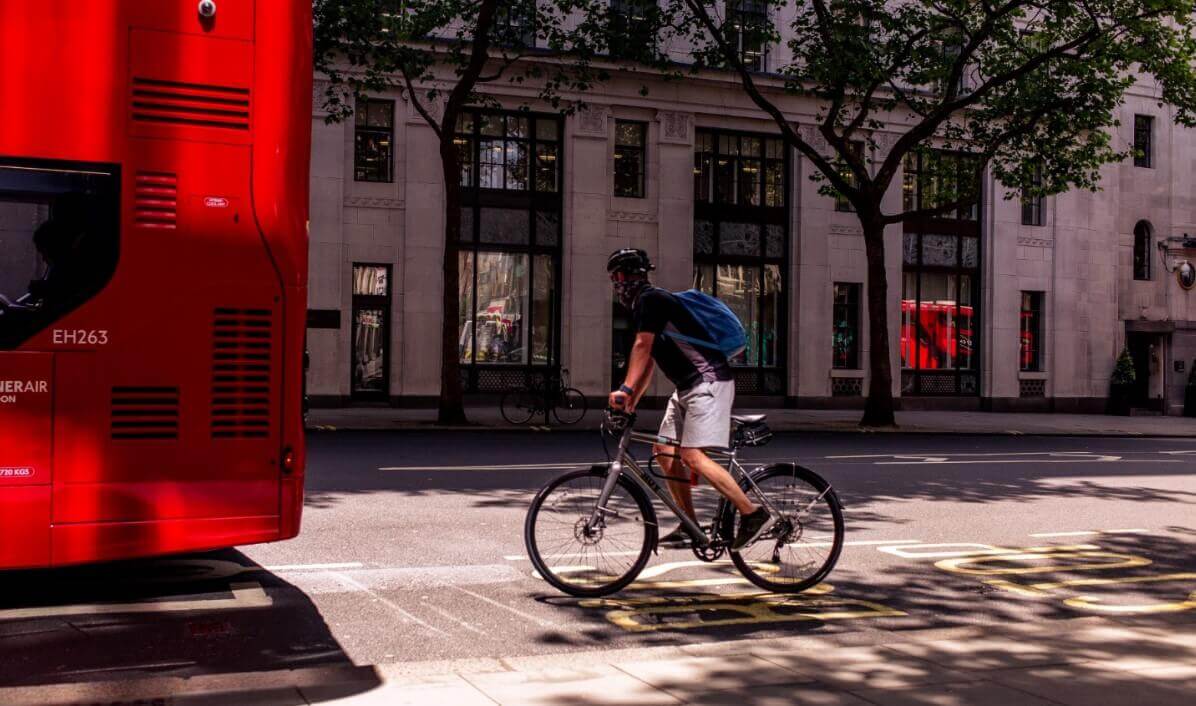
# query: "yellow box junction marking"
x,y
983,560
718,610
704,610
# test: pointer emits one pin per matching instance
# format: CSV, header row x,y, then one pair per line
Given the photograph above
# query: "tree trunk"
x,y
452,397
878,408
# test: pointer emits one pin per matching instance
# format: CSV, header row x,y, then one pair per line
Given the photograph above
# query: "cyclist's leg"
x,y
708,425
671,427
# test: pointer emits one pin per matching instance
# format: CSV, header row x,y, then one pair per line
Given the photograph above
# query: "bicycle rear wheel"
x,y
519,405
803,546
590,563
571,406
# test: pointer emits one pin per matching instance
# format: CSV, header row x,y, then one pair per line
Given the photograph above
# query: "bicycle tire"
x,y
830,501
518,406
572,400
553,577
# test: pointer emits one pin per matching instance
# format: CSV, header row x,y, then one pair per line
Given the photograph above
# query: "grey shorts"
x,y
700,417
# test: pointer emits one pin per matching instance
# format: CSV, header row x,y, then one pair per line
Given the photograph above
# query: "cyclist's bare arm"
x,y
639,369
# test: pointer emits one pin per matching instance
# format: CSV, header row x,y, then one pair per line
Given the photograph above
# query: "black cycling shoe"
x,y
677,539
751,527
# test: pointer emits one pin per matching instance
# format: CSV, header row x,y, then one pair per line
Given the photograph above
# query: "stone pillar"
x,y
328,358
586,299
422,260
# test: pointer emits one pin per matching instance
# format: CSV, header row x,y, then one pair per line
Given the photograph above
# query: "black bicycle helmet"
x,y
632,261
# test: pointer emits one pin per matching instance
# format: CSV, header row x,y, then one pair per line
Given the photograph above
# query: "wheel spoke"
x,y
589,558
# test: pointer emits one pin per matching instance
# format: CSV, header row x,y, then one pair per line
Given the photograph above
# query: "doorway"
x,y
369,363
1144,348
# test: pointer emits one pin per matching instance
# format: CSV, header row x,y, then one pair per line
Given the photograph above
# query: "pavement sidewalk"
x,y
811,420
1077,662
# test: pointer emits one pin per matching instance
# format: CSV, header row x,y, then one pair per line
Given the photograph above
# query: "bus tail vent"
x,y
190,104
145,413
241,373
155,200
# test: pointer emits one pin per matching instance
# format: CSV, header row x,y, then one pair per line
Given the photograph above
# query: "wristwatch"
x,y
628,390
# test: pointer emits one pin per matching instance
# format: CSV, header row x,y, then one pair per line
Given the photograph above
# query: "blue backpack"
x,y
725,333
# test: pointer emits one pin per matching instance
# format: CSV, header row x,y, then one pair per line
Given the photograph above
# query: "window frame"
x,y
533,201
1144,141
1037,317
842,205
756,377
854,291
734,9
1143,270
360,129
371,301
960,228
509,21
1034,207
107,188
628,32
621,151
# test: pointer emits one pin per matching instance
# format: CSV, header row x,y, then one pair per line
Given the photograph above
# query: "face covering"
x,y
628,290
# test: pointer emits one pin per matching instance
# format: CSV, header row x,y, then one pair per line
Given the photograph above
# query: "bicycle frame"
x,y
626,463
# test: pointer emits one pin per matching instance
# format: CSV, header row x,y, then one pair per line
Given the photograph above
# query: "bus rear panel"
x,y
153,261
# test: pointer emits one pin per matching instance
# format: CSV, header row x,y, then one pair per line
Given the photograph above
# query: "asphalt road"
x,y
412,550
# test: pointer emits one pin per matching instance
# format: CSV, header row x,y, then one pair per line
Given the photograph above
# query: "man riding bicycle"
x,y
698,415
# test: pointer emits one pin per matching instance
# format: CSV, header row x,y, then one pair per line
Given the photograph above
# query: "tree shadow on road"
x,y
182,616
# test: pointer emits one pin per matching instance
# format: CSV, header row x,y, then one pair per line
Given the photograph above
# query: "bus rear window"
x,y
59,241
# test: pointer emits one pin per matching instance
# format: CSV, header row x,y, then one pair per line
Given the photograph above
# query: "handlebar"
x,y
618,421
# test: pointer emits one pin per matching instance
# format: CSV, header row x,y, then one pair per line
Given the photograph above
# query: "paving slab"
x,y
789,695
601,685
690,677
446,690
978,653
981,693
1084,685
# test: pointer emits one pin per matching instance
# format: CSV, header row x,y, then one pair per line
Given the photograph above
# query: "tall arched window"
x,y
1142,242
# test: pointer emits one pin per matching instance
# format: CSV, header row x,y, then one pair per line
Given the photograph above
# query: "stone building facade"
x,y
1012,305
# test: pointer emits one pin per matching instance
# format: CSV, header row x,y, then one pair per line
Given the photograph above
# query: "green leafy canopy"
x,y
1028,86
448,51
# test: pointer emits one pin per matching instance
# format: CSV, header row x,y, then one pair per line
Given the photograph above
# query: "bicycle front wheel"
x,y
518,406
571,407
803,546
596,560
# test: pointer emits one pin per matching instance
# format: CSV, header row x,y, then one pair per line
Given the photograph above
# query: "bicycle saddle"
x,y
748,418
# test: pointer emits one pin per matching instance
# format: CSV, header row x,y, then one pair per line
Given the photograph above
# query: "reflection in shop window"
x,y
740,240
510,260
846,326
1030,358
58,242
369,280
504,310
373,135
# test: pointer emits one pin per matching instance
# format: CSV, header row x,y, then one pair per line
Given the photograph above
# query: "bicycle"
x,y
577,514
567,404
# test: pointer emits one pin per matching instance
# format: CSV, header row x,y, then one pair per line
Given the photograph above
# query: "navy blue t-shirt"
x,y
658,311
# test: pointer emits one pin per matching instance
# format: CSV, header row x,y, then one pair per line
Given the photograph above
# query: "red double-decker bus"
x,y
153,262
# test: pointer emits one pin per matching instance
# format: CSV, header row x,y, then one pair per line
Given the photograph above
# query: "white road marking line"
x,y
938,461
245,595
1078,533
315,567
450,616
528,616
1085,455
863,543
495,467
389,603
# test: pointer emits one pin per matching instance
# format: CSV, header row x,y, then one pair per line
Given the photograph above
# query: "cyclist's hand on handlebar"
x,y
619,400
